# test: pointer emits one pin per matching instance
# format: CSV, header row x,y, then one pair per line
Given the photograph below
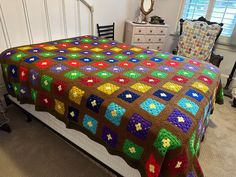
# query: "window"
x,y
221,11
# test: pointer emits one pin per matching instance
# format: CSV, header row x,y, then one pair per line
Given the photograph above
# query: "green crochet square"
x,y
166,141
132,150
5,69
104,40
159,74
18,56
16,88
191,143
98,56
67,40
162,55
104,74
47,54
185,73
121,57
73,74
34,94
142,56
198,146
209,73
132,74
46,82
86,40
73,55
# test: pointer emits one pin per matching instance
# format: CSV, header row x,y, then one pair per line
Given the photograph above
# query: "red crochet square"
x,y
126,64
59,87
73,63
151,80
194,62
40,45
85,46
198,168
152,167
23,74
121,80
123,46
90,81
44,63
179,79
105,46
172,63
64,45
100,64
149,63
45,100
205,79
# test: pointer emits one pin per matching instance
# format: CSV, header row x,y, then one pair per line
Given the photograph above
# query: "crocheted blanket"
x,y
148,107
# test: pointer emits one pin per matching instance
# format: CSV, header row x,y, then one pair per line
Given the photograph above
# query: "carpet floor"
x,y
32,150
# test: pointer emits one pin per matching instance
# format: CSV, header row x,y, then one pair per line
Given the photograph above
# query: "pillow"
x,y
197,39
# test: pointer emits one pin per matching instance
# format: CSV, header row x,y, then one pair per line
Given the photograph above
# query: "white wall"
x,y
170,10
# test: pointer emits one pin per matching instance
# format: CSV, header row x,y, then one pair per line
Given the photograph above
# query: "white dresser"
x,y
148,36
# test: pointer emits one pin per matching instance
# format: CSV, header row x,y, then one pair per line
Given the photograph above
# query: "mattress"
x,y
148,107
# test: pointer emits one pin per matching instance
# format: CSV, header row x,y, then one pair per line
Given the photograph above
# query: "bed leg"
x,y
28,116
6,128
7,100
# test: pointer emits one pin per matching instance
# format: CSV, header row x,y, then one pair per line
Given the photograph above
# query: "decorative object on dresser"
x,y
198,38
146,8
157,20
149,36
107,31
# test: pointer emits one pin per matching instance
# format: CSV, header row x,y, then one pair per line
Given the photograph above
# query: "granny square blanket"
x,y
148,107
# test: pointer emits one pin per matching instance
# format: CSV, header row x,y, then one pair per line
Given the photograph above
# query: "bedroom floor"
x,y
33,150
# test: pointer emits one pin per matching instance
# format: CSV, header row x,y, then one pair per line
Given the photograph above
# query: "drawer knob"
x,y
138,39
158,47
159,39
140,31
148,47
149,39
150,31
161,31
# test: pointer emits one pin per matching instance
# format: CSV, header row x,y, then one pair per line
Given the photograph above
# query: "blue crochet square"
x,y
90,124
128,96
188,105
177,58
73,114
139,126
134,60
111,60
195,95
13,71
31,59
152,106
86,60
109,136
180,120
114,113
156,59
60,58
163,95
94,102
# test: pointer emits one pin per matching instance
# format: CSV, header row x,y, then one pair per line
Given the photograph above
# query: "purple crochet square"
x,y
191,67
139,126
108,53
128,52
76,43
24,92
34,77
95,43
86,52
113,43
58,68
166,68
35,50
200,125
149,52
141,69
61,51
8,53
180,120
109,136
88,68
116,69
212,68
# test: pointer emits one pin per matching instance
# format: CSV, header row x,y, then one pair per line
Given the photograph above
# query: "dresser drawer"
x,y
158,47
159,39
151,30
140,30
148,46
150,38
162,30
139,38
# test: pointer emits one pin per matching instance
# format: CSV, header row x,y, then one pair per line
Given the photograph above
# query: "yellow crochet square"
x,y
116,49
108,88
200,86
96,49
59,107
74,49
135,49
51,47
76,94
141,87
25,48
173,87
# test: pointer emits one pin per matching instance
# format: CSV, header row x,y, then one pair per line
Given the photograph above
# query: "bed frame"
x,y
81,141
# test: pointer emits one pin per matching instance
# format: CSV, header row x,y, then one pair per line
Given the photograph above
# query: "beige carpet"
x,y
32,150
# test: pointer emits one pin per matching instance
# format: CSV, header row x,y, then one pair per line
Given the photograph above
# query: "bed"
x,y
140,112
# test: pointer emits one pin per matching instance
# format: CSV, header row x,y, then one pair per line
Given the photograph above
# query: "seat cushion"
x,y
197,39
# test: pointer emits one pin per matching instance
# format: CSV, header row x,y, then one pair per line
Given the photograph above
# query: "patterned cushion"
x,y
197,39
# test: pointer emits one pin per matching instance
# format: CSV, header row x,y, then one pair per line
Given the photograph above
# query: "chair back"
x,y
106,31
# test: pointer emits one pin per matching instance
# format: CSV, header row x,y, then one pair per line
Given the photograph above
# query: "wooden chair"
x,y
214,59
106,31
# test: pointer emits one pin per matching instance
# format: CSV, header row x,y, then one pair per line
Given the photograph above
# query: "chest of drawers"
x,y
148,36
